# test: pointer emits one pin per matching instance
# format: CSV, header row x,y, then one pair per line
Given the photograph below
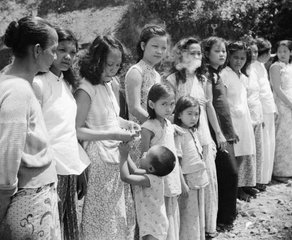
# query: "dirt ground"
x,y
267,217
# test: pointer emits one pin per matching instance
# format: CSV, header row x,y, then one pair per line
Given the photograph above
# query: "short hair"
x,y
148,32
26,32
183,103
264,46
286,43
156,92
163,162
93,61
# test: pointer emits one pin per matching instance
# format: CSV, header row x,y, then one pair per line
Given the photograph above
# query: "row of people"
x,y
40,126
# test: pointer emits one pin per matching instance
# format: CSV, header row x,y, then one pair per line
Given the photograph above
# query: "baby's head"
x,y
158,161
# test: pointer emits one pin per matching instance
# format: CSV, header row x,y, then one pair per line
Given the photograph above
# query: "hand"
x,y
124,149
203,102
236,139
221,141
82,184
185,190
135,127
125,136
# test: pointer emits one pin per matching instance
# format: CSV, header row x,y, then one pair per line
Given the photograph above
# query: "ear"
x,y
151,169
151,104
37,49
142,45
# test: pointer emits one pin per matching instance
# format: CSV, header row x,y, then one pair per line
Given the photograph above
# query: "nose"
x,y
55,56
67,56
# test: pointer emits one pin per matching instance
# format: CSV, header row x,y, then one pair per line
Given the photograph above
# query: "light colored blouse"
x,y
59,110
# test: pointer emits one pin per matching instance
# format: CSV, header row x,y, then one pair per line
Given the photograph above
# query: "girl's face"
x,y
283,53
112,64
46,56
190,116
254,52
237,60
192,57
164,106
65,54
217,55
154,49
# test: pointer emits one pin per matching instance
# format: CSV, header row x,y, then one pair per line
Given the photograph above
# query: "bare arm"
x,y
275,77
83,104
133,85
221,141
146,136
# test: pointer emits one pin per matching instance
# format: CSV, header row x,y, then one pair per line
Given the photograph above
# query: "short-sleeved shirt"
x,y
150,208
164,136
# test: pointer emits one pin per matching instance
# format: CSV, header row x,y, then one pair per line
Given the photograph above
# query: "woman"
x,y
28,194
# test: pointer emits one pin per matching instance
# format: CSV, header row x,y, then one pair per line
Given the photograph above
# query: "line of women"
x,y
47,112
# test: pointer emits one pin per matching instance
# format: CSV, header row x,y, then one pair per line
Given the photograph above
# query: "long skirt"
x,y
227,175
192,215
32,214
211,191
246,171
172,212
259,141
108,211
67,204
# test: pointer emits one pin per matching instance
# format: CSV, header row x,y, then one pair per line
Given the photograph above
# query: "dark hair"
x,y
180,74
264,46
26,32
207,45
93,61
164,162
148,32
156,92
67,35
286,43
182,104
238,46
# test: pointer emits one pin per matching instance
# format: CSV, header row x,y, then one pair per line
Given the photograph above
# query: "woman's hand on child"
x,y
221,141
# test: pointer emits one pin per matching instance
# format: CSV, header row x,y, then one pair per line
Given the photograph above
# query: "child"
x,y
107,210
192,205
214,59
281,75
53,90
187,79
244,149
158,130
142,76
269,107
149,190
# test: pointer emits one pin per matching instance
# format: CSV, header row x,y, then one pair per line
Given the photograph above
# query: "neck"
x,y
160,119
56,71
22,68
148,62
216,66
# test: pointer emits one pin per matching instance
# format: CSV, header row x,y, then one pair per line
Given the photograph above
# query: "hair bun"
x,y
11,36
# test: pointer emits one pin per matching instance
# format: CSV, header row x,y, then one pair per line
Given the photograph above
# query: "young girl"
x,y
192,205
214,58
142,76
187,79
244,149
149,190
53,90
107,210
281,75
158,130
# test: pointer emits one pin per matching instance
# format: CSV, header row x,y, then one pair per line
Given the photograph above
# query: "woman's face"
x,y
46,56
283,53
65,54
217,55
237,60
254,52
154,49
112,64
192,57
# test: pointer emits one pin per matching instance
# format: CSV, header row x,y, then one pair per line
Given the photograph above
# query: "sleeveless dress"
x,y
108,211
283,153
149,77
196,89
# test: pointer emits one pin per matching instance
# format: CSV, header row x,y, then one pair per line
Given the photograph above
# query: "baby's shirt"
x,y
165,137
150,208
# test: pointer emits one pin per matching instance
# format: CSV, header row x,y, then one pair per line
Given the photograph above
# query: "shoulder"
x,y
86,86
150,124
154,180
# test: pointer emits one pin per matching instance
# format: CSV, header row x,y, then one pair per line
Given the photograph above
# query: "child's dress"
x,y
164,136
108,211
192,207
283,163
245,147
150,208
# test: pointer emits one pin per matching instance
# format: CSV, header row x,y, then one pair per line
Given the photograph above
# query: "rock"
x,y
273,230
280,202
248,224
